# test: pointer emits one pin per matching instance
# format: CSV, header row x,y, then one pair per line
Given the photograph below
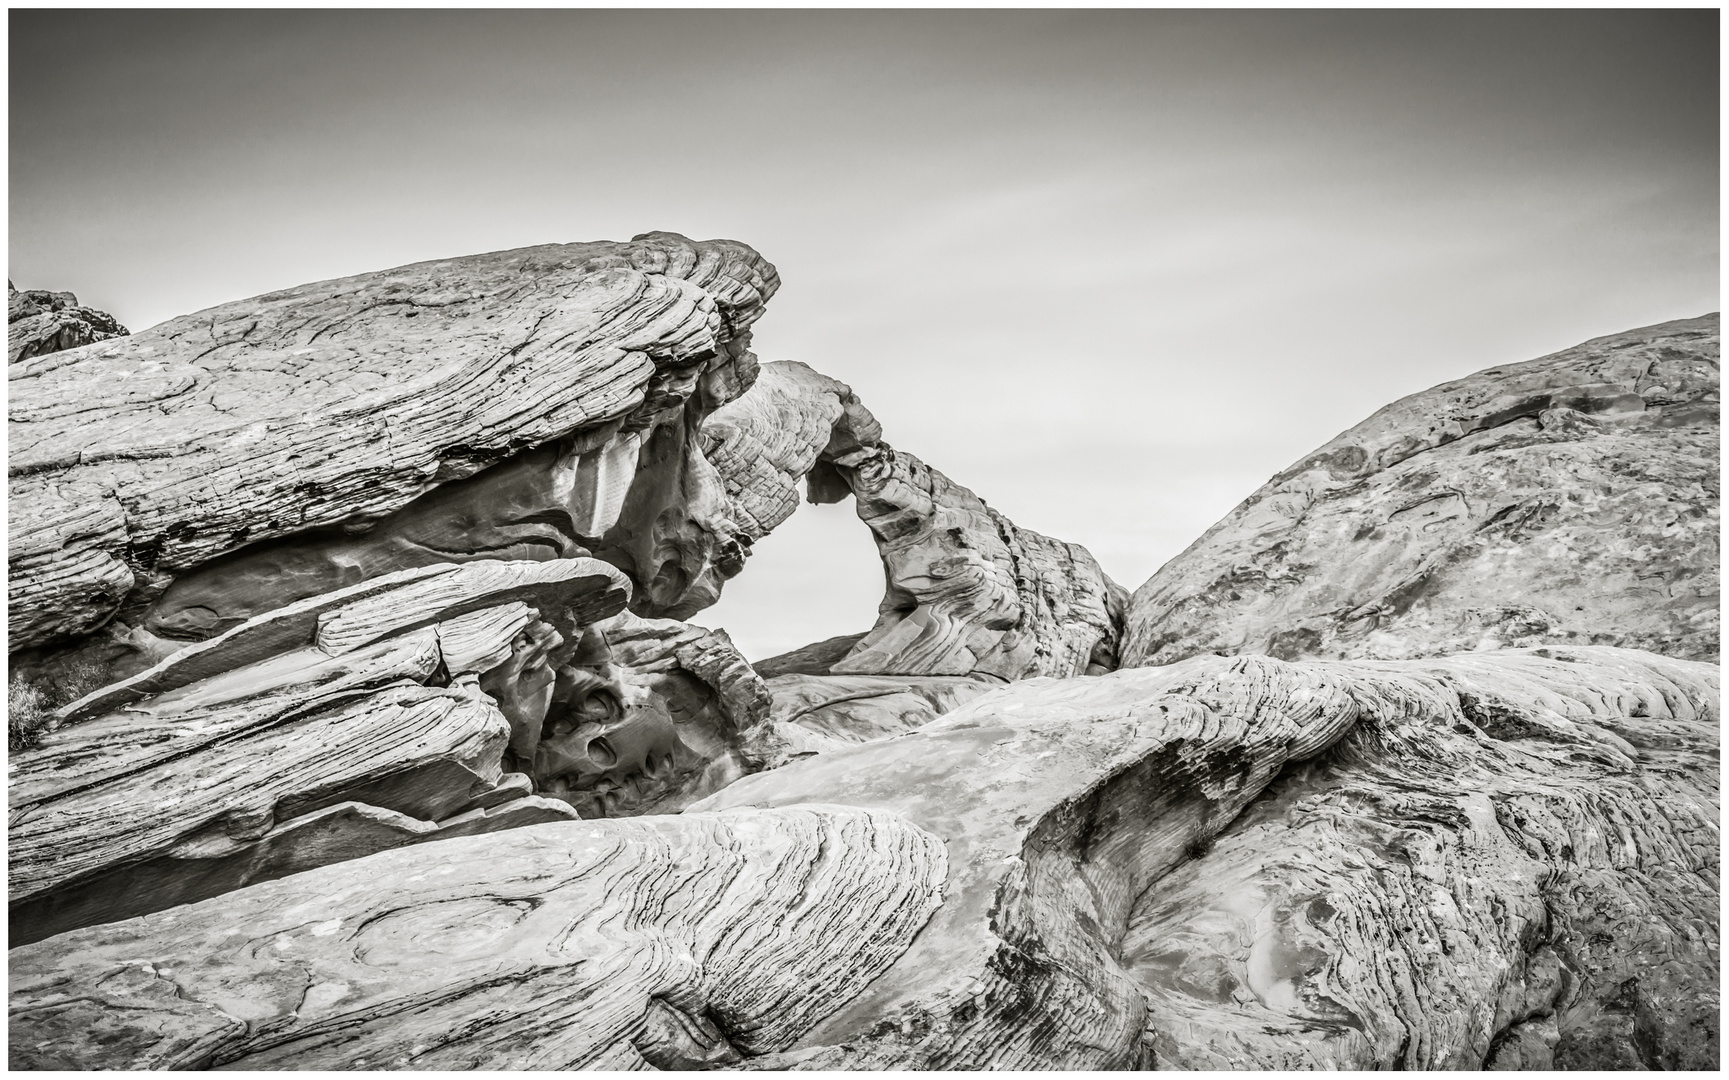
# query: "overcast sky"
x,y
1111,270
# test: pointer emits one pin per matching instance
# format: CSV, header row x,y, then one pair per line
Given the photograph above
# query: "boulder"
x,y
41,322
673,942
1568,500
1461,862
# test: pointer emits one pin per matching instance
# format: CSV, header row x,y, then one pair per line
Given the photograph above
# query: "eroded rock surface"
x,y
813,713
1104,911
198,775
683,717
969,592
39,322
346,413
1510,861
1572,499
675,942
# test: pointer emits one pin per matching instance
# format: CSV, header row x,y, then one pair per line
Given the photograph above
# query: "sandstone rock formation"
x,y
969,592
330,729
223,566
623,430
1571,499
326,583
671,942
345,414
1513,854
39,322
321,732
1128,870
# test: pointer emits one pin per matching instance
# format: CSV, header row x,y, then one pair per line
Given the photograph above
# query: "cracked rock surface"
x,y
1571,499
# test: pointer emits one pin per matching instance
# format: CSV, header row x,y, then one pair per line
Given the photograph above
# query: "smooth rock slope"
x,y
1572,499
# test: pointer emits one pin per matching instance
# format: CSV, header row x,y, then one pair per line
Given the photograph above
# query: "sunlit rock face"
x,y
1572,499
221,464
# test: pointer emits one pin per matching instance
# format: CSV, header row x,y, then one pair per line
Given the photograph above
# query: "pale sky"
x,y
1111,270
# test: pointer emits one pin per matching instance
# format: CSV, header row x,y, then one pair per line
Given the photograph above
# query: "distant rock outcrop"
x,y
39,322
1572,499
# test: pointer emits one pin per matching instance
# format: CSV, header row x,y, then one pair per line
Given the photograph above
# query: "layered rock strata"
x,y
1570,500
39,322
346,414
658,942
1545,893
1510,862
431,702
328,730
301,550
623,417
1223,863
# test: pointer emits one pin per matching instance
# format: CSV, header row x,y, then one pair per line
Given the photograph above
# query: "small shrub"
x,y
30,705
26,716
1198,847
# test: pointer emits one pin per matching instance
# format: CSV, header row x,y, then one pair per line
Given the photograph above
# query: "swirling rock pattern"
x,y
1571,500
1488,860
672,942
1060,801
338,404
1510,861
